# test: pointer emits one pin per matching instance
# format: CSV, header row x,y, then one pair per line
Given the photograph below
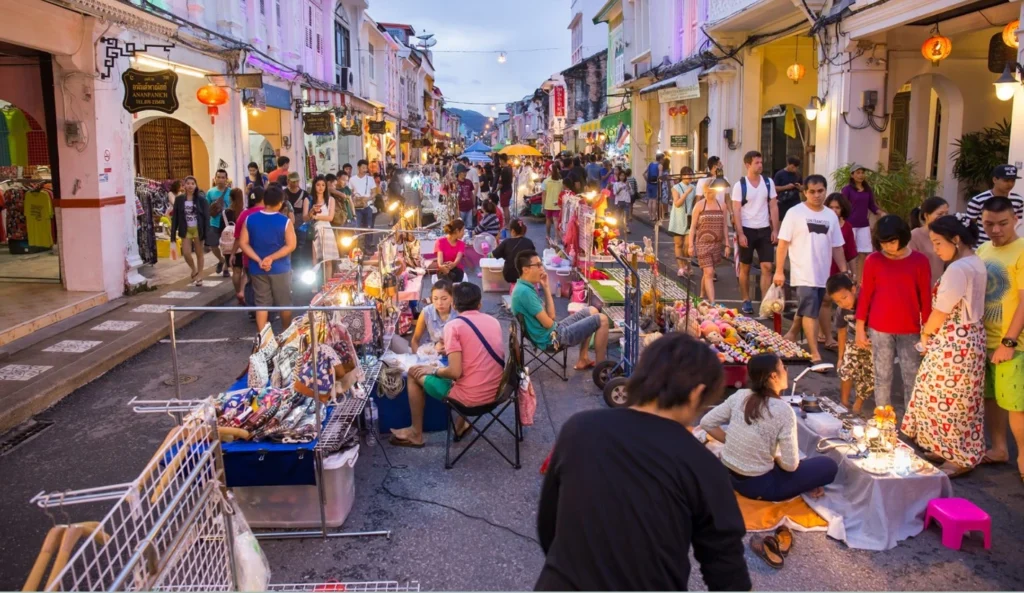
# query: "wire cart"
x,y
170,529
611,375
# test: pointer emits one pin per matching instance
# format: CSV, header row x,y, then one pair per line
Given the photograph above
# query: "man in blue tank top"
x,y
268,238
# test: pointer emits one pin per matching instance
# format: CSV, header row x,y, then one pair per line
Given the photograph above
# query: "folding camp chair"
x,y
546,357
507,395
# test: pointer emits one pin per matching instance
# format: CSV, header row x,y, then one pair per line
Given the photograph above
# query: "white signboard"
x,y
679,94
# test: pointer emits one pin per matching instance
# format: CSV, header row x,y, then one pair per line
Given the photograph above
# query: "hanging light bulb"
x,y
796,71
1006,85
502,57
1010,34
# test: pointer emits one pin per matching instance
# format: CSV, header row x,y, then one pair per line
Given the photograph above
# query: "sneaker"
x,y
226,273
747,308
220,268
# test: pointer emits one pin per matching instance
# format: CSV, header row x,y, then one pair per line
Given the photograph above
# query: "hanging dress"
x,y
946,411
709,236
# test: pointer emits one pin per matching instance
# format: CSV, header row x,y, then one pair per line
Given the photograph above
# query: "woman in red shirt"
x,y
895,298
841,206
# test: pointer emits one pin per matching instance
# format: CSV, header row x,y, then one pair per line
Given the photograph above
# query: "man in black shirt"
x,y
628,490
789,184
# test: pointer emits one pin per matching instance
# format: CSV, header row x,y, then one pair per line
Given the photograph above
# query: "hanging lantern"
x,y
936,48
683,110
796,72
212,96
1010,34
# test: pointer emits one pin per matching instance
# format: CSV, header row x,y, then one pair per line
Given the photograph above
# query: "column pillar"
x,y
724,111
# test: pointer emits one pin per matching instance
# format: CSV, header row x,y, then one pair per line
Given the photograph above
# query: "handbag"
x,y
527,400
323,375
259,361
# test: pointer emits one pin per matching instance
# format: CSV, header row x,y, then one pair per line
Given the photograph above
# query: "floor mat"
x,y
761,515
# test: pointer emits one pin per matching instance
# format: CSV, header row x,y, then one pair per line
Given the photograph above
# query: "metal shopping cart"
x,y
611,375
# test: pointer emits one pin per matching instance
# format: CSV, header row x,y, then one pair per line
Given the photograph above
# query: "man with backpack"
x,y
652,174
755,207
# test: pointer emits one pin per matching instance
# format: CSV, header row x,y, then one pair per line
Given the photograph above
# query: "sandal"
x,y
589,365
784,537
767,547
955,473
399,442
461,435
986,460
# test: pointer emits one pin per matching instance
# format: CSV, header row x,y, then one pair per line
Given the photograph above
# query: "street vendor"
x,y
434,316
475,346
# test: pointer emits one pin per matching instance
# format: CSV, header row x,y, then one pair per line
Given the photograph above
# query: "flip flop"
x,y
589,365
461,435
397,442
986,460
960,471
784,537
767,547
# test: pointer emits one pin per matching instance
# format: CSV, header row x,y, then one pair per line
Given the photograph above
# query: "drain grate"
x,y
182,380
22,434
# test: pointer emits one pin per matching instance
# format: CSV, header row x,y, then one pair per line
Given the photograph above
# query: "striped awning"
x,y
323,97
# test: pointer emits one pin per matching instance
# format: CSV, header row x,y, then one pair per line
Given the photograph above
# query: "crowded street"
x,y
649,297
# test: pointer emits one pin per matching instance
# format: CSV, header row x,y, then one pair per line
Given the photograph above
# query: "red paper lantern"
x,y
212,96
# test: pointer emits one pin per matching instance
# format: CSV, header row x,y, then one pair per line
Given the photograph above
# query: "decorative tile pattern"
x,y
22,372
116,326
73,346
208,282
151,308
179,294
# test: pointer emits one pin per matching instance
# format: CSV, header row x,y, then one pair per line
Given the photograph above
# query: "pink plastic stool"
x,y
957,516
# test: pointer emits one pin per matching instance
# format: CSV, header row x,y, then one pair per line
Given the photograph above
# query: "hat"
x,y
1005,172
293,176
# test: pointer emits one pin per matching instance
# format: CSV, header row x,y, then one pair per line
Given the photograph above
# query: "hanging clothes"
x,y
5,148
17,135
38,213
14,206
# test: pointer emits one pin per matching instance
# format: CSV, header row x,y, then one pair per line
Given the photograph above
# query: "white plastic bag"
x,y
774,301
252,571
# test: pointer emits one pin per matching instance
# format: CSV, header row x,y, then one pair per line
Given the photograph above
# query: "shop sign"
x,y
255,98
404,136
679,94
559,101
558,138
150,90
679,141
318,123
378,127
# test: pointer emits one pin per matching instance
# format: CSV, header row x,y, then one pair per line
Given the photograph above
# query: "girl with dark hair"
x,y
655,487
761,449
862,200
189,221
552,188
320,212
894,301
920,241
255,178
511,247
451,252
489,221
431,321
946,411
683,195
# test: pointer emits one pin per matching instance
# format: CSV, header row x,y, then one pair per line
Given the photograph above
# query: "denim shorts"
x,y
576,328
809,300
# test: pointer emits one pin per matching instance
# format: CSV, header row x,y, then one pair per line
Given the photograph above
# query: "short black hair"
x,y
998,204
467,297
256,196
503,157
713,162
523,259
442,284
219,171
794,160
950,226
282,161
838,282
658,377
816,180
363,162
490,207
750,156
330,177
845,207
890,227
273,196
348,165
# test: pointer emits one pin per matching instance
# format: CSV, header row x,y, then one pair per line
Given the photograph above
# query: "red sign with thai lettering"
x,y
559,101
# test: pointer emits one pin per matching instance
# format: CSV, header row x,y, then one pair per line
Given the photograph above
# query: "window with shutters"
x,y
277,12
372,62
318,43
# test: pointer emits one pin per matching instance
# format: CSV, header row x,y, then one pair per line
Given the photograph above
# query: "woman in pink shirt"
x,y
451,251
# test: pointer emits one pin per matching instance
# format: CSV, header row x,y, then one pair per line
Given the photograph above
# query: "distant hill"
x,y
471,119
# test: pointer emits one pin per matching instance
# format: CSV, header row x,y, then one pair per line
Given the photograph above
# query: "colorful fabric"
x,y
38,213
1005,266
946,410
1004,382
5,148
709,238
14,205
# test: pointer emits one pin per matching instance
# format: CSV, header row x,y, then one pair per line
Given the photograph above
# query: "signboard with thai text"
x,y
150,90
679,94
559,101
678,141
318,123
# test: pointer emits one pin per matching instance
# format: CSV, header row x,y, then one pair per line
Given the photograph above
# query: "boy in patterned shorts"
x,y
855,364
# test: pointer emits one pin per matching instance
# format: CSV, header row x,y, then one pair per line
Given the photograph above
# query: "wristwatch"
x,y
1009,342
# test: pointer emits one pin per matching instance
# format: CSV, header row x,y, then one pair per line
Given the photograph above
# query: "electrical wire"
x,y
384,486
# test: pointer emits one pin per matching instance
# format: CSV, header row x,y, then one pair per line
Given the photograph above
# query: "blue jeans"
x,y
778,484
364,220
885,348
467,219
577,328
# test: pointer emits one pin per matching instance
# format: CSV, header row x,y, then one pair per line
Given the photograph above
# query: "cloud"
x,y
475,81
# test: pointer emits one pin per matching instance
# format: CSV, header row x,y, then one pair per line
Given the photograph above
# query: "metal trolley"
x,y
611,375
171,528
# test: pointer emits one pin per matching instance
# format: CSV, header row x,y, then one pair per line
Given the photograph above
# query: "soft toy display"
x,y
734,337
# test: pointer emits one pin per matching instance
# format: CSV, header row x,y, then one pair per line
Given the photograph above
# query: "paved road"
x,y
470,528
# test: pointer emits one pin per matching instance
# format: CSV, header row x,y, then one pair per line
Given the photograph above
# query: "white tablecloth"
x,y
867,511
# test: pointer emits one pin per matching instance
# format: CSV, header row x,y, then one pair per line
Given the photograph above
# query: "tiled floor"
x,y
30,306
73,346
22,372
116,326
151,308
34,266
179,294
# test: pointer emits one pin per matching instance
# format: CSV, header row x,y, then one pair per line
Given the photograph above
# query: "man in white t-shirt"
x,y
363,189
755,211
811,237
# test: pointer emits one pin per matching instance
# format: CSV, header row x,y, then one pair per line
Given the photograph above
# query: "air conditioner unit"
x,y
345,78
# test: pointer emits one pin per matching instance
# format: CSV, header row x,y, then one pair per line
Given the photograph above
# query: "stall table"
x,y
870,511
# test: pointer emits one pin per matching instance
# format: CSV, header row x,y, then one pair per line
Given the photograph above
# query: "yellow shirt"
x,y
38,212
1005,266
551,190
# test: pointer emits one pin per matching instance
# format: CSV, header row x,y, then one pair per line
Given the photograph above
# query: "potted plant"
x,y
898,189
977,153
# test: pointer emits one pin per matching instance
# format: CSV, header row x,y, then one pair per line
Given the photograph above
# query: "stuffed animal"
x,y
709,331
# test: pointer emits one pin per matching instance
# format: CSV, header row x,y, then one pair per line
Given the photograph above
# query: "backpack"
x,y
227,238
743,188
652,173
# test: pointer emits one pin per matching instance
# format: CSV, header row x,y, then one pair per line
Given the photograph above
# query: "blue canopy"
x,y
479,146
476,157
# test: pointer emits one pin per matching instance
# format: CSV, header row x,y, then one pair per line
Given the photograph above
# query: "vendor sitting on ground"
x,y
476,352
761,450
430,324
539,315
